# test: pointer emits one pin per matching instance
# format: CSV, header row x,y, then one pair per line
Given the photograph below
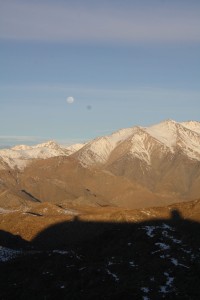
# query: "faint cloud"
x,y
9,140
111,94
65,21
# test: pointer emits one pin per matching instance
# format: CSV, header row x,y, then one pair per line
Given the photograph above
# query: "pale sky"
x,y
125,63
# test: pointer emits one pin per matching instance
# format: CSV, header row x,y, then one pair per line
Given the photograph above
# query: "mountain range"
x,y
132,168
114,218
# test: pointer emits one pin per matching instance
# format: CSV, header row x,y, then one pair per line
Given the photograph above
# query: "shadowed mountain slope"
x,y
154,259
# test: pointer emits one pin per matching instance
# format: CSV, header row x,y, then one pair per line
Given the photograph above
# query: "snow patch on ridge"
x,y
192,125
165,132
140,148
20,156
178,136
75,147
99,150
136,142
7,254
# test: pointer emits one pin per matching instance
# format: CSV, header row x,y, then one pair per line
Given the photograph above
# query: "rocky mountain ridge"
x,y
20,156
138,142
134,168
168,136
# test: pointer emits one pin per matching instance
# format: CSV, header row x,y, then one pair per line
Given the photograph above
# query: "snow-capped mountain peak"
x,y
19,156
99,150
165,132
141,142
192,125
49,144
74,147
136,142
21,147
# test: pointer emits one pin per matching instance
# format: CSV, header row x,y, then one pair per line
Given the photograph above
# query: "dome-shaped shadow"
x,y
156,259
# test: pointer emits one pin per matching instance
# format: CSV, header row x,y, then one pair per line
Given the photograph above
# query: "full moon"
x,y
70,100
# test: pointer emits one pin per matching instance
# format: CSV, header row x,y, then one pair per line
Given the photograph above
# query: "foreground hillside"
x,y
28,224
102,254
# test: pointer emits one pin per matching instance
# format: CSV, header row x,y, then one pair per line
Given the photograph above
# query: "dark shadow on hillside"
x,y
12,241
31,197
157,259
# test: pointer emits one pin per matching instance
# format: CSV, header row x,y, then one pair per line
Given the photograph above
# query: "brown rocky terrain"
x,y
62,180
117,217
132,168
40,216
51,252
